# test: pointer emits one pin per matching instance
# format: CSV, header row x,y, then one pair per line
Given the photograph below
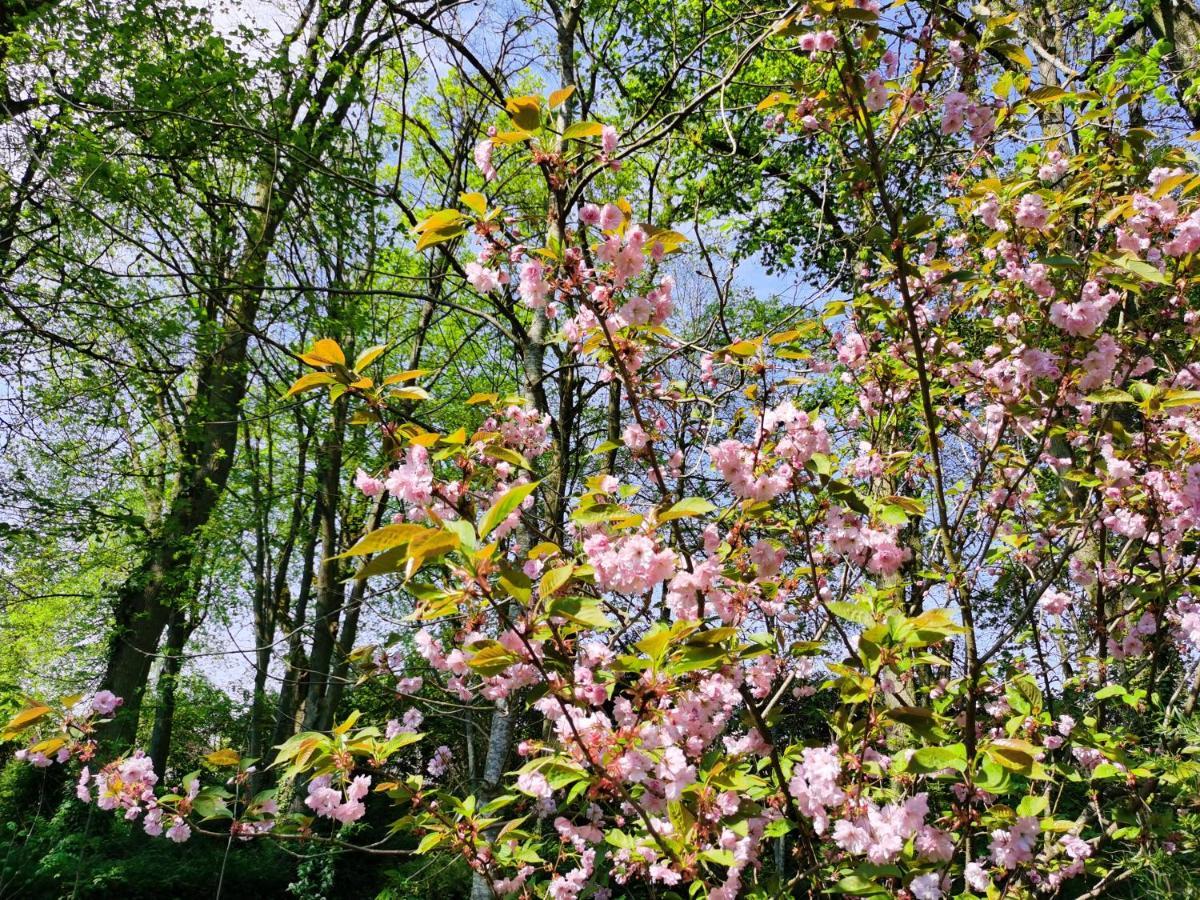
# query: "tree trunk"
x,y
163,576
499,741
179,629
331,594
291,696
1178,21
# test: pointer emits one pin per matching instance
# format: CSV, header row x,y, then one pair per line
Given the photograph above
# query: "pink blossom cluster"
x,y
632,564
344,806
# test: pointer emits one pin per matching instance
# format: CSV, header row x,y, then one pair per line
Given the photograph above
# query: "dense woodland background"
x,y
191,193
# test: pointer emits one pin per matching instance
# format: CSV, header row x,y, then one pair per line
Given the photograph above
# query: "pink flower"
x,y
1085,316
371,487
323,799
611,217
825,41
852,349
440,761
635,437
1076,847
483,159
1015,846
589,214
152,824
608,140
412,481
350,811
82,791
482,279
1054,603
989,212
926,887
735,462
106,702
664,874
535,784
977,877
877,92
1031,212
954,109
532,286
767,558
179,831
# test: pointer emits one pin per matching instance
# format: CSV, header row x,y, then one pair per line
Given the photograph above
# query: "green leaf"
x,y
1032,805
857,886
369,356
1180,398
504,507
655,643
582,130
934,759
309,382
554,579
1012,753
492,659
430,842
386,538
580,610
1142,269
851,612
688,506
1109,395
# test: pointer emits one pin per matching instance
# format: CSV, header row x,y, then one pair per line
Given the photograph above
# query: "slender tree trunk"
x,y
179,629
339,677
499,743
331,594
291,696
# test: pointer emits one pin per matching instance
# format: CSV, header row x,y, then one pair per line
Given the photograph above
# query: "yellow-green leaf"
x,y
526,112
474,201
744,348
369,356
1048,94
324,352
385,538
439,221
688,506
553,580
26,717
408,375
225,757
582,130
511,137
503,508
561,96
429,546
772,99
309,382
